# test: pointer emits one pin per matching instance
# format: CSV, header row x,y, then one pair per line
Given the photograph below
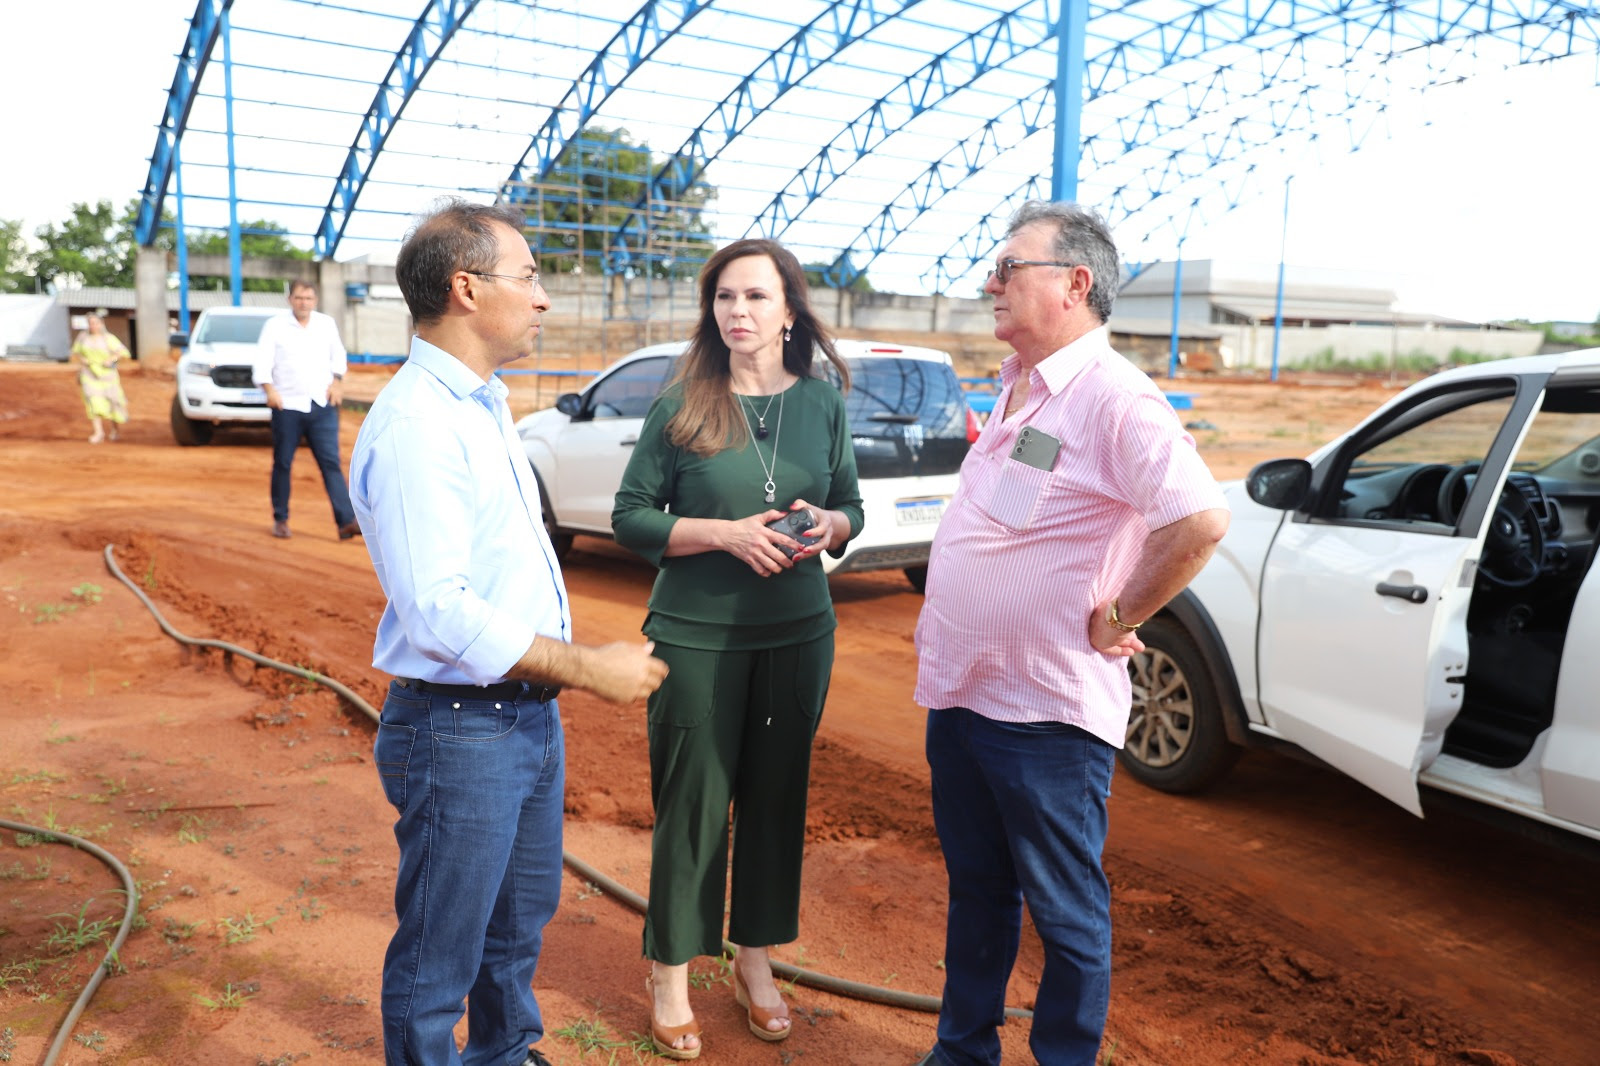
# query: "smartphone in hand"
x,y
792,525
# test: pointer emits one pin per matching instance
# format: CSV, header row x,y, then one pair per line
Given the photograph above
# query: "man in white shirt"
x,y
301,369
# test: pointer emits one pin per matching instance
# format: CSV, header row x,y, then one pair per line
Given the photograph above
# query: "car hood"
x,y
226,352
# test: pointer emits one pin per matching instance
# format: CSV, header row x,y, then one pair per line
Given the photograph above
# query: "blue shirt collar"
x,y
454,375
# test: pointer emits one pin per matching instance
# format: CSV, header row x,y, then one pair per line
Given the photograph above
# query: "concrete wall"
x,y
1251,346
597,314
35,321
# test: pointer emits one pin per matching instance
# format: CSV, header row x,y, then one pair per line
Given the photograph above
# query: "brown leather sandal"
x,y
664,1036
760,1017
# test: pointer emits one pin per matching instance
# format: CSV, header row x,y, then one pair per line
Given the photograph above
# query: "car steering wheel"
x,y
1453,491
1513,550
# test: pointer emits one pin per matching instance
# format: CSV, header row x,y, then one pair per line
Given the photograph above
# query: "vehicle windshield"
x,y
230,329
908,417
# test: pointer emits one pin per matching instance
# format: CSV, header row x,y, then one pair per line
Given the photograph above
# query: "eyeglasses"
x,y
1004,267
531,279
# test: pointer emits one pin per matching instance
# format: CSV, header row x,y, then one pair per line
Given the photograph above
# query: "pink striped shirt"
x,y
1022,555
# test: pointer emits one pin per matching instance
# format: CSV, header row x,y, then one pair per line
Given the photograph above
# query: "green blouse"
x,y
713,600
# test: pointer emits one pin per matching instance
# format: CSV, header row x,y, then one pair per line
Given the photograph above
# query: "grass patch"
x,y
83,595
243,929
230,998
588,1035
192,829
81,934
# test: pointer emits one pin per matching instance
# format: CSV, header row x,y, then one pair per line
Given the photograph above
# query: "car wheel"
x,y
918,576
561,542
185,430
1176,740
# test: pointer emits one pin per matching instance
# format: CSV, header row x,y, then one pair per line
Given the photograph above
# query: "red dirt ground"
x,y
1287,917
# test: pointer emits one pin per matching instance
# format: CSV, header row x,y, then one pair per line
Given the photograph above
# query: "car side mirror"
x,y
1281,484
177,340
570,404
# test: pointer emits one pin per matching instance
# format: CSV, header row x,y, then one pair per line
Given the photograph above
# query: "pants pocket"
x,y
474,719
688,695
391,753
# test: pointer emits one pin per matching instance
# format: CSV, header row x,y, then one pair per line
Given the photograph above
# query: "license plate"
x,y
255,396
918,512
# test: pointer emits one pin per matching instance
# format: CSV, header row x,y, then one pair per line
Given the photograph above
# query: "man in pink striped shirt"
x,y
1083,508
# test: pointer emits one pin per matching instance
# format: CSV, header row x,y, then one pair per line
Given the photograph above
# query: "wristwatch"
x,y
1114,619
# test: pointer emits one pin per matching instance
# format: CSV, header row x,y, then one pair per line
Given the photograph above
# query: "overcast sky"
x,y
1479,204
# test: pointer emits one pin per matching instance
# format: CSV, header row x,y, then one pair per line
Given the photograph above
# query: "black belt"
x,y
508,691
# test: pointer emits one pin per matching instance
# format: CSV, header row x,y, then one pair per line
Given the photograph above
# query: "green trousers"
x,y
730,728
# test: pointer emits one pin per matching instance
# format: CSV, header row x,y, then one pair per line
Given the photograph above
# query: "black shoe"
x,y
535,1058
350,529
281,530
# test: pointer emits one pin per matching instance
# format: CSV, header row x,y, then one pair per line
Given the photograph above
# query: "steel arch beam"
x,y
1012,34
429,35
843,23
981,51
1231,147
1295,115
945,174
635,42
204,27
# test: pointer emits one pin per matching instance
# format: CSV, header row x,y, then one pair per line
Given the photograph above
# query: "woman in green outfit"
x,y
98,352
744,434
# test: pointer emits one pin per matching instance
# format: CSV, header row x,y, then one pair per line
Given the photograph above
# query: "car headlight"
x,y
203,369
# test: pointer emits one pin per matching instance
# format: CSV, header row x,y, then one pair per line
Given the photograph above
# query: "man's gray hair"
x,y
454,234
1083,239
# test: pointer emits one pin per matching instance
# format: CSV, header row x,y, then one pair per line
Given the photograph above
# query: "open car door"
x,y
1362,639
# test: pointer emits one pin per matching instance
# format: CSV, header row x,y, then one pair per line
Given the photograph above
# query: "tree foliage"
x,y
817,277
92,246
16,265
95,246
593,189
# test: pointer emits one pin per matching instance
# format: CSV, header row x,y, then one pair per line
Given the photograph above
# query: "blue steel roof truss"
x,y
1184,104
428,37
204,28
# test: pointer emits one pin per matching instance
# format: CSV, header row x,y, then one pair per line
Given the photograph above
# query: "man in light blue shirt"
x,y
477,632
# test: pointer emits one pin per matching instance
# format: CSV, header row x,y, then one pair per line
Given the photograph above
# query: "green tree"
x,y
16,266
90,248
95,246
816,277
592,191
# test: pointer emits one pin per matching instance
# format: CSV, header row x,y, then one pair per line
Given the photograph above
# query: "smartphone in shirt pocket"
x,y
1036,448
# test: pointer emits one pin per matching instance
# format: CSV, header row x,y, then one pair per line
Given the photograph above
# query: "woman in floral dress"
x,y
98,351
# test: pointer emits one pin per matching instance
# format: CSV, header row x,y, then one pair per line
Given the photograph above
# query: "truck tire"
x,y
1176,738
185,430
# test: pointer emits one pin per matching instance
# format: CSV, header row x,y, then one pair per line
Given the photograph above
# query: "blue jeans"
x,y
320,428
1021,814
478,785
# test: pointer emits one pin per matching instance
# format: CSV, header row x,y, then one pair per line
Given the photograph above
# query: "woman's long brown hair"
x,y
711,418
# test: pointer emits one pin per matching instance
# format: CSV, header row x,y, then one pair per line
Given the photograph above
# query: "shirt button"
x,y
497,706
455,706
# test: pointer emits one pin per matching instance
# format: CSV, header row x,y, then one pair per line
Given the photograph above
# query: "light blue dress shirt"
x,y
449,512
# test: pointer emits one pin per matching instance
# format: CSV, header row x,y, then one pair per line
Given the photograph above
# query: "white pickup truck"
x,y
216,374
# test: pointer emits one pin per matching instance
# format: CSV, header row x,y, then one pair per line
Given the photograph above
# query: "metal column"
x,y
1070,69
1283,247
1177,303
235,269
182,241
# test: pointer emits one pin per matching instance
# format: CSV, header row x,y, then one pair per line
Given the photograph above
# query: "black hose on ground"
x,y
129,888
892,997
